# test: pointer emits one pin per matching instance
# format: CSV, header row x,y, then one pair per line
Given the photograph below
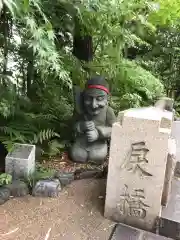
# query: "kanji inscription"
x,y
133,204
137,159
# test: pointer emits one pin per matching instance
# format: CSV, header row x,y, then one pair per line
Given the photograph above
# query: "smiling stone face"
x,y
94,101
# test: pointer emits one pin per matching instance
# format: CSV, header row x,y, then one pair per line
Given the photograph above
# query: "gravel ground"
x,y
76,214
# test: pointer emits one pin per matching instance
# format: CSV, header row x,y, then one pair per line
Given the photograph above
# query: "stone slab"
x,y
169,228
124,232
176,135
177,170
170,167
169,225
172,211
20,162
137,164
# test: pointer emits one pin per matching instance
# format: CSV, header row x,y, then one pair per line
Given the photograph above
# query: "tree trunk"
x,y
24,78
30,73
5,30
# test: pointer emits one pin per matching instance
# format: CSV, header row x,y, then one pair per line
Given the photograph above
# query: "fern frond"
x,y
44,135
55,147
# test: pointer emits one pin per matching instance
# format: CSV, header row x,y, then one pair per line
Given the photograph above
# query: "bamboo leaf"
x,y
26,5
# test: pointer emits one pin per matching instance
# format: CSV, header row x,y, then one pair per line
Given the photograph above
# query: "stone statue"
x,y
93,122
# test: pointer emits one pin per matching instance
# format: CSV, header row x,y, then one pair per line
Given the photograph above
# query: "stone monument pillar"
x,y
137,166
20,162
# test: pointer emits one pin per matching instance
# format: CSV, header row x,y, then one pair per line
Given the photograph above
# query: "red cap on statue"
x,y
98,82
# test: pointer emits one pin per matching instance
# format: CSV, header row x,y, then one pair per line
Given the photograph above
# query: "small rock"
x,y
4,195
18,188
88,174
47,188
65,178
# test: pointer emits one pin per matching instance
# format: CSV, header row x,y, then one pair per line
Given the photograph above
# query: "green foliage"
x,y
131,85
55,147
163,60
37,29
117,26
166,12
41,173
137,79
5,179
128,100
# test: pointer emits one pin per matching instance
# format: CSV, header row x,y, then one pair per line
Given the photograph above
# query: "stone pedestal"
x,y
20,162
137,166
170,167
176,135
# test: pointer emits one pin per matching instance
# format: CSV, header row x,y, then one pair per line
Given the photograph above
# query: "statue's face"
x,y
94,101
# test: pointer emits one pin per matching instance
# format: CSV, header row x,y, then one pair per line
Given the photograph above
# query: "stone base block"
x,y
124,232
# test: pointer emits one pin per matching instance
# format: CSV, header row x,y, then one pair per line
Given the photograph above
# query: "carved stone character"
x,y
93,123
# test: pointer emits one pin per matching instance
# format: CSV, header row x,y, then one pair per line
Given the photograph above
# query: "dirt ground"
x,y
76,214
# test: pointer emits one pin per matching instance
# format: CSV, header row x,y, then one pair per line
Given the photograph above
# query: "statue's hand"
x,y
86,126
89,125
92,135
